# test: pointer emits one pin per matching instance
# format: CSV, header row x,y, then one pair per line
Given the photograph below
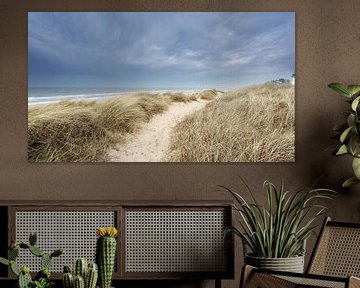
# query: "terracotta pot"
x,y
291,264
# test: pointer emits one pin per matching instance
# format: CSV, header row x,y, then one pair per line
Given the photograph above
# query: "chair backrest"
x,y
337,251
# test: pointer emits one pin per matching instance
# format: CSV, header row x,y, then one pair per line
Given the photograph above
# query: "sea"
x,y
45,95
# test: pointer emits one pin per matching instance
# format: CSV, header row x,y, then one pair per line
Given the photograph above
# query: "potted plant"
x,y
276,233
42,278
348,132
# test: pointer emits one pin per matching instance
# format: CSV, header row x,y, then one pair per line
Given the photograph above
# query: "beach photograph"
x,y
161,87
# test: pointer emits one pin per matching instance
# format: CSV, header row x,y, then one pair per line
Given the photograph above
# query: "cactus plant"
x,y
13,253
84,274
57,253
36,251
42,278
79,282
68,280
4,261
32,238
91,276
43,274
45,261
24,277
105,254
80,268
14,268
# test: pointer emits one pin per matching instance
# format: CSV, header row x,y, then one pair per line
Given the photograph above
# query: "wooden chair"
x,y
335,262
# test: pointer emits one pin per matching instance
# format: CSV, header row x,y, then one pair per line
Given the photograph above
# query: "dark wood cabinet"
x,y
166,240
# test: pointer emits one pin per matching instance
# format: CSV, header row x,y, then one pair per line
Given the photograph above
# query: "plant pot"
x,y
291,264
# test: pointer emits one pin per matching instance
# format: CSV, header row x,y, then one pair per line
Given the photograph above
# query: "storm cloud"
x,y
129,49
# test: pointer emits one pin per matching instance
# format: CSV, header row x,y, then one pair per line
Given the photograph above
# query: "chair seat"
x,y
263,278
315,282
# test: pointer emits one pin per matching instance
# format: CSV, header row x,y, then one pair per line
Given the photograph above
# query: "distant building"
x,y
293,79
281,81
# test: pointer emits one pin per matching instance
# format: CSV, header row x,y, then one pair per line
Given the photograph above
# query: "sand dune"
x,y
151,142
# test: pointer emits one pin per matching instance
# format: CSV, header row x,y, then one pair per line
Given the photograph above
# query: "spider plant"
x,y
279,229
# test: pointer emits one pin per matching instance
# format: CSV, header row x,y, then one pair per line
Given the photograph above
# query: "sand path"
x,y
152,140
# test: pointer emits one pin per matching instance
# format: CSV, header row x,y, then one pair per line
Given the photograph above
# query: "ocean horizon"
x,y
44,95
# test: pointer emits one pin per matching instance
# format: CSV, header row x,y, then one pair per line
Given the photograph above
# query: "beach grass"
x,y
82,131
254,124
208,94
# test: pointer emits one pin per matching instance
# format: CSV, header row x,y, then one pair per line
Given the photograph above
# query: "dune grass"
x,y
79,131
208,94
254,124
177,97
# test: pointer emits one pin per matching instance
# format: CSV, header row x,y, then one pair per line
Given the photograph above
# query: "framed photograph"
x,y
161,86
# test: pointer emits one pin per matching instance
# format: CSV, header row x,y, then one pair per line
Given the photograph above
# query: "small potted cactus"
x,y
106,254
85,275
42,278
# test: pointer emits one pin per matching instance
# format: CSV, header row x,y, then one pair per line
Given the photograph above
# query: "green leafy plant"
x,y
43,283
349,132
42,278
279,229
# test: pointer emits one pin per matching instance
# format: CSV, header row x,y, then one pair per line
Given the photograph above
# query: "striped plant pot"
x,y
291,264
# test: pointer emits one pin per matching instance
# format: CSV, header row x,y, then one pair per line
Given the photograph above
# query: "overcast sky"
x,y
179,50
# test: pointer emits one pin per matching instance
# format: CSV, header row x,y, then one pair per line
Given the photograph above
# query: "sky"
x,y
157,49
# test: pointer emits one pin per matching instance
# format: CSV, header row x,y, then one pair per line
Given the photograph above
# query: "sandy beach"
x,y
151,142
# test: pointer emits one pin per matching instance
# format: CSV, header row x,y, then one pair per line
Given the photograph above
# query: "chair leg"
x,y
246,274
217,283
354,282
251,279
